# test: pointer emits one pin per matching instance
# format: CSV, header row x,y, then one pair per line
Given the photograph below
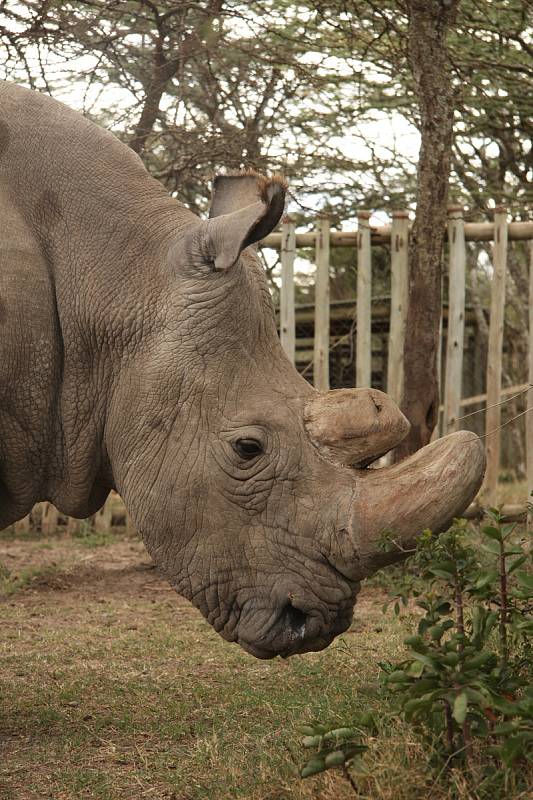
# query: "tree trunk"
x,y
163,71
166,65
429,21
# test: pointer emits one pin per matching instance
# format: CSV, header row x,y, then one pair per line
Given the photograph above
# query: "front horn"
x,y
353,427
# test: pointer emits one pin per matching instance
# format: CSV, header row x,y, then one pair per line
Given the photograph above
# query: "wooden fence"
x,y
396,236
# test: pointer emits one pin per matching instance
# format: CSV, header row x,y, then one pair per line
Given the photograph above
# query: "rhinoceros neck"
x,y
100,227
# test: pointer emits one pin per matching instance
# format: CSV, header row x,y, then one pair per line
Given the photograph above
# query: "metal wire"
x,y
501,403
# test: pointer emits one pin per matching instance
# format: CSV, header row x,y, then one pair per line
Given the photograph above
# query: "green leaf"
x,y
415,669
339,733
476,697
436,632
492,533
478,660
415,643
352,750
313,766
450,659
422,687
447,567
517,563
508,529
491,547
311,741
525,626
513,747
335,759
460,708
485,578
426,660
366,720
412,705
441,573
525,579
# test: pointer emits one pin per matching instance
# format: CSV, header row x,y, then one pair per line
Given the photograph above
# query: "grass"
x,y
13,582
512,491
113,688
90,538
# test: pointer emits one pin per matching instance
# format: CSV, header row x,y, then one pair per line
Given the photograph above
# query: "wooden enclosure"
x,y
372,317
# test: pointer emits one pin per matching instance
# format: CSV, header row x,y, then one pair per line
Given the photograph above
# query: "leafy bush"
x,y
468,675
466,684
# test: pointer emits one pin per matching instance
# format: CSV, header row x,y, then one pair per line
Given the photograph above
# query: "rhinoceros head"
x,y
251,489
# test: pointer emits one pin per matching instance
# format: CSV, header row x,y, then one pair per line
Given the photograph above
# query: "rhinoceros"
x,y
139,352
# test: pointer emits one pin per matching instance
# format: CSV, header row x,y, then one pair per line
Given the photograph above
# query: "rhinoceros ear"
x,y
244,209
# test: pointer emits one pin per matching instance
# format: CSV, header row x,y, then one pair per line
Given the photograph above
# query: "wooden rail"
x,y
474,232
477,399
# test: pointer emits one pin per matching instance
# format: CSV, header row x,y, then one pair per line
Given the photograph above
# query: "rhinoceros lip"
x,y
353,583
284,645
303,647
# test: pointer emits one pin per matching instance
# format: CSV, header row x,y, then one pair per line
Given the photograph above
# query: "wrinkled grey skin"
x,y
128,361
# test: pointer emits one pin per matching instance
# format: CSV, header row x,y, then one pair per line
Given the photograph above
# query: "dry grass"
x,y
113,688
513,492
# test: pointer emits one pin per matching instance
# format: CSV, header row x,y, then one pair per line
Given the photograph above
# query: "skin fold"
x,y
139,352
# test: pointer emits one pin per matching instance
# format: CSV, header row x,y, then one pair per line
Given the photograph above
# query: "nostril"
x,y
294,618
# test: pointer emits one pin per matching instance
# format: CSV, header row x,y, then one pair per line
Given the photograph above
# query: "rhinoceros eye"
x,y
248,448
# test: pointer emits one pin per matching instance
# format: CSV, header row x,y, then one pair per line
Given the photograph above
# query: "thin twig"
x,y
445,766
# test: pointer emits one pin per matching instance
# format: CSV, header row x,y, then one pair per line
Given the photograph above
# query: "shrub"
x,y
466,684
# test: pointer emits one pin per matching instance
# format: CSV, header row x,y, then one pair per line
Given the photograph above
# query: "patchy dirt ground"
x,y
114,688
68,566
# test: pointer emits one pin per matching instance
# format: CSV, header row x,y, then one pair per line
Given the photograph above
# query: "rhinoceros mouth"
x,y
286,651
294,632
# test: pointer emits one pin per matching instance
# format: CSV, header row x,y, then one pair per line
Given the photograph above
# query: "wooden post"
x,y
321,344
286,305
49,519
23,525
73,526
363,347
398,303
529,396
103,517
437,429
494,360
456,319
